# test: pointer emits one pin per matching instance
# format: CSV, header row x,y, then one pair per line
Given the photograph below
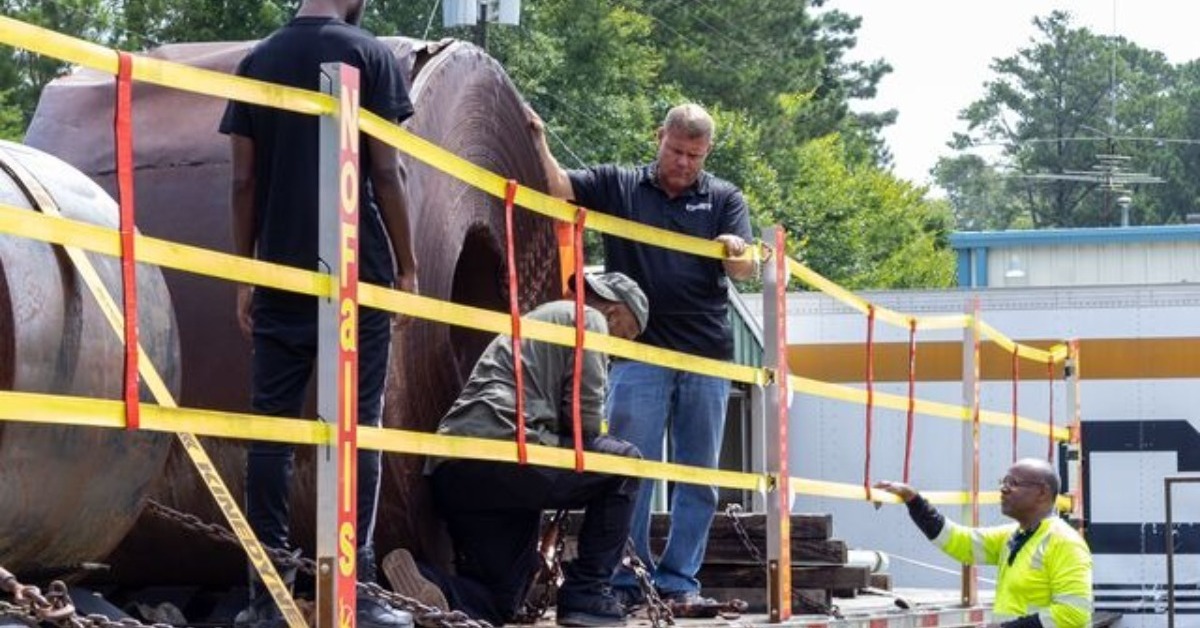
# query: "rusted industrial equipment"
x,y
68,495
465,102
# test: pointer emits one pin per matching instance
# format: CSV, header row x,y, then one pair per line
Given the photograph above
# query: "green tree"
x,y
22,74
603,72
982,197
861,226
1054,109
148,23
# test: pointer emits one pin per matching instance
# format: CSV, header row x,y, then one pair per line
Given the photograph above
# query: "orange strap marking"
x,y
577,389
123,136
514,312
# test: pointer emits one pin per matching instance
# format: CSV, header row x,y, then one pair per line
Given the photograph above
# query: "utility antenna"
x,y
1112,79
1111,174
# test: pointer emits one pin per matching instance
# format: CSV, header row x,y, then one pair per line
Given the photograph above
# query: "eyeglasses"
x,y
1011,482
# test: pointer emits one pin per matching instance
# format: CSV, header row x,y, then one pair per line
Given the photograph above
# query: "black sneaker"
x,y
590,612
374,614
630,598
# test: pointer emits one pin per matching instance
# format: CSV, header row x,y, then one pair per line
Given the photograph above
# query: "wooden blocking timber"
x,y
828,577
804,601
881,581
804,526
810,539
804,552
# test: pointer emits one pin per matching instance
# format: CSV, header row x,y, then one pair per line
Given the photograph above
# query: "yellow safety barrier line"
x,y
167,73
499,322
231,267
230,87
818,281
445,446
106,413
943,321
1004,419
150,376
923,407
217,84
52,44
221,85
897,319
1055,353
58,230
842,490
46,409
951,321
29,223
63,231
486,181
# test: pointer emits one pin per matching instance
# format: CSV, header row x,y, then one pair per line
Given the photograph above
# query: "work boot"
x,y
589,611
375,614
691,604
262,611
406,579
630,598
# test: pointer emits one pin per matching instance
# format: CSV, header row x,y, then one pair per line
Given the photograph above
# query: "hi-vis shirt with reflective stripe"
x,y
1051,575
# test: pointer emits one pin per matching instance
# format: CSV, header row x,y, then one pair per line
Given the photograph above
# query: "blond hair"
x,y
691,120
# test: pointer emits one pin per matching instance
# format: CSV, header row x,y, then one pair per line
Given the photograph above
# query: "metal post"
x,y
481,33
1075,427
970,438
1169,542
758,441
779,520
337,351
1169,539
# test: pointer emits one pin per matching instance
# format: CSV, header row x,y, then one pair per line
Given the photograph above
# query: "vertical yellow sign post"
x,y
970,439
337,352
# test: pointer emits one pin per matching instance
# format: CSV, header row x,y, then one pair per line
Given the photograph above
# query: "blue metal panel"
x,y
981,274
964,268
1100,235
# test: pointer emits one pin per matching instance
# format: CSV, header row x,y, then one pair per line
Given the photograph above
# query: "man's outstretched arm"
x,y
556,176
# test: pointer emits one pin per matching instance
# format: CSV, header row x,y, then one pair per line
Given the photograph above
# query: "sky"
x,y
941,52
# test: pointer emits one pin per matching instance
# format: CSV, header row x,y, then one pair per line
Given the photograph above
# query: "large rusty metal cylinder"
x,y
68,495
465,102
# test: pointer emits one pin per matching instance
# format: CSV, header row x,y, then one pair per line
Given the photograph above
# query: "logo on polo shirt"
x,y
698,207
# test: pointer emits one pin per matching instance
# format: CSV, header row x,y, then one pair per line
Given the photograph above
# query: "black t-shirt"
x,y
688,294
286,145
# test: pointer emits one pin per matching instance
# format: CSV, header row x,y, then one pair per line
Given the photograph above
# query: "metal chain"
x,y
56,608
733,512
549,574
423,614
657,610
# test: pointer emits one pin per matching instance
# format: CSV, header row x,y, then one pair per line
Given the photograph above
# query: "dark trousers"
x,y
494,510
285,353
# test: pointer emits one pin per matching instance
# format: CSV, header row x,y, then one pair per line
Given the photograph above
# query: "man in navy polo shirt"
x,y
688,312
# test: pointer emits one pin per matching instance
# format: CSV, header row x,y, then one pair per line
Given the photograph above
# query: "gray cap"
x,y
619,288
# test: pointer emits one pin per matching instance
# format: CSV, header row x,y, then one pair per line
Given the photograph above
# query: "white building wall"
x,y
827,437
1094,264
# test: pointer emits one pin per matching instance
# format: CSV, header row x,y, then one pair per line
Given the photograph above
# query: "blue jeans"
x,y
644,402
